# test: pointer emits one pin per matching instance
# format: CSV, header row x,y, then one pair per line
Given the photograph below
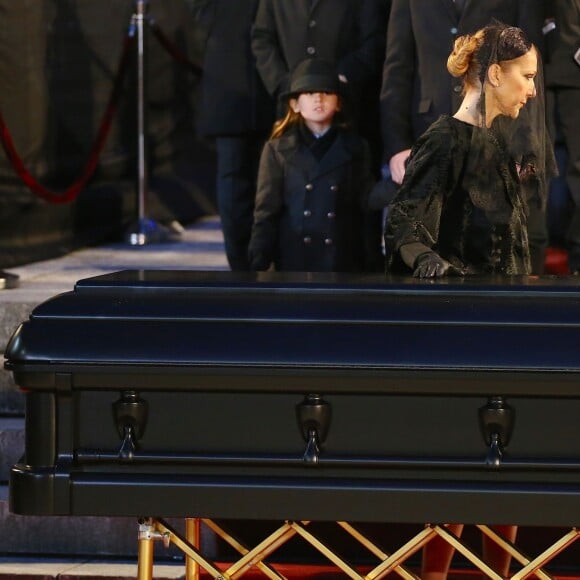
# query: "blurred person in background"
x,y
562,33
236,111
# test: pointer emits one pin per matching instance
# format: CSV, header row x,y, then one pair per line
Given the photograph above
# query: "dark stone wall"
x,y
58,60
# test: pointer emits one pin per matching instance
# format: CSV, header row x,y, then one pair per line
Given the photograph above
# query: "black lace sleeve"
x,y
414,214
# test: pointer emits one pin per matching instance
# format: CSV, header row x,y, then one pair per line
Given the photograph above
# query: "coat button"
x,y
311,50
334,188
330,215
309,187
307,213
328,242
307,240
312,23
454,30
457,88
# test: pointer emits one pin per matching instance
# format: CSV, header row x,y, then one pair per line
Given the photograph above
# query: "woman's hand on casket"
x,y
431,265
426,263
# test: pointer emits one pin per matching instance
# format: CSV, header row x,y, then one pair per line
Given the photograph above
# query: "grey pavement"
x,y
200,247
79,569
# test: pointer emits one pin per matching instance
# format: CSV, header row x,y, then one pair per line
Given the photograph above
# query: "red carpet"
x,y
298,572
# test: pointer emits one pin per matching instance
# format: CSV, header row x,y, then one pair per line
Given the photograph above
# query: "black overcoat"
x,y
563,43
233,98
309,212
417,88
350,32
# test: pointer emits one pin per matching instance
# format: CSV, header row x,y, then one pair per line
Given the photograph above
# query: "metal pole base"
x,y
8,280
148,231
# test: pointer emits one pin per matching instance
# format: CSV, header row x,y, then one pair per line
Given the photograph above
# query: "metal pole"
x,y
145,555
141,7
145,230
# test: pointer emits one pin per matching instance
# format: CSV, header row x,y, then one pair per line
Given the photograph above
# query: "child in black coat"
x,y
313,182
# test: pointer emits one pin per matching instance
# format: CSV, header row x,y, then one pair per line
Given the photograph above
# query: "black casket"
x,y
302,397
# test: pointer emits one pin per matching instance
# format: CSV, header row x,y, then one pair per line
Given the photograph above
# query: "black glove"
x,y
430,265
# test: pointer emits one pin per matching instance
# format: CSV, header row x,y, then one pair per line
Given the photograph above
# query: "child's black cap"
x,y
314,75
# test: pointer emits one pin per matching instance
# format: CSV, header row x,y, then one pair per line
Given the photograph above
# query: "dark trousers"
x,y
538,237
237,169
566,117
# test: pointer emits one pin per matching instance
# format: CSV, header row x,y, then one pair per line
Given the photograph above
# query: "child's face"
x,y
317,109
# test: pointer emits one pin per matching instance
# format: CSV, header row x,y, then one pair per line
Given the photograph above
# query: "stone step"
x,y
31,569
11,444
81,537
49,569
78,569
11,315
61,535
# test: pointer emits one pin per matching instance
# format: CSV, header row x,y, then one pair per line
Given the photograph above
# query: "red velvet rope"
x,y
73,191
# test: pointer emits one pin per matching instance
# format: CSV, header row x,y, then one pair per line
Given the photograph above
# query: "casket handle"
x,y
130,412
496,421
313,415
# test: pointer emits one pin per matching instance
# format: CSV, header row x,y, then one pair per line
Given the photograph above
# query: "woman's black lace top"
x,y
461,197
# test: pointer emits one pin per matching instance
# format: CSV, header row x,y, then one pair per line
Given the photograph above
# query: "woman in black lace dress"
x,y
463,204
462,207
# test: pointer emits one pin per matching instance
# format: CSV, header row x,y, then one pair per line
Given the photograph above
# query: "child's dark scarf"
x,y
318,145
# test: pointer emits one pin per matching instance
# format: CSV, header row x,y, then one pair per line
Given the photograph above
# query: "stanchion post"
x,y
145,230
140,14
